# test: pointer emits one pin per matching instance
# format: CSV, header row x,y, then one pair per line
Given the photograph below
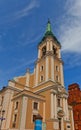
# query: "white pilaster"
x,y
47,45
23,113
62,76
64,108
7,106
51,46
52,106
37,74
55,106
47,68
52,68
72,120
9,112
62,124
67,113
27,78
39,54
59,53
44,112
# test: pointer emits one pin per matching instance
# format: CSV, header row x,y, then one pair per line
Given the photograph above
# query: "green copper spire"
x,y
48,33
48,28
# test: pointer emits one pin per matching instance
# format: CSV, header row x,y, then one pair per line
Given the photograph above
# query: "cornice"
x,y
29,94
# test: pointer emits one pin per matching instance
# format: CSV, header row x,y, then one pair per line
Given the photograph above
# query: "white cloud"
x,y
70,29
71,60
20,13
74,7
24,12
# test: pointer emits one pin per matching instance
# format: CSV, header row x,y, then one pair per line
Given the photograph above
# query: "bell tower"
x,y
49,65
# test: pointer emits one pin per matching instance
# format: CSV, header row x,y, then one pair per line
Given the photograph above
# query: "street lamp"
x,y
1,117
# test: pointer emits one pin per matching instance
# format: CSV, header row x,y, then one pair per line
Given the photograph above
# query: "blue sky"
x,y
23,24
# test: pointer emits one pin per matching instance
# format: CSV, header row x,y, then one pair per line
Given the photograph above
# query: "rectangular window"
x,y
35,106
34,116
41,78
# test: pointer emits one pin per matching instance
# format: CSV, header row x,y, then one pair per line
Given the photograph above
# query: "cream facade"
x,y
41,92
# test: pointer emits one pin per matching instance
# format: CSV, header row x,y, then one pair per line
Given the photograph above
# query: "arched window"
x,y
41,78
44,51
57,78
54,50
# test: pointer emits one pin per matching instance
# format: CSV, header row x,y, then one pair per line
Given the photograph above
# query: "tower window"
x,y
44,51
57,68
41,68
54,50
41,78
57,78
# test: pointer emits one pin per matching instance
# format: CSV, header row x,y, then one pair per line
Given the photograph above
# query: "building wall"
x,y
74,99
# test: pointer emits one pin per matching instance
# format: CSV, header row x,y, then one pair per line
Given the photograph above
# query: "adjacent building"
x,y
74,99
41,92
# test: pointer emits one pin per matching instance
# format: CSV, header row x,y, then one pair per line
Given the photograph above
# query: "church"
x,y
41,92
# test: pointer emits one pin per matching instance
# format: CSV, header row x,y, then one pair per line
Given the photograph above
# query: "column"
x,y
52,106
37,74
59,53
27,78
52,68
39,54
51,47
47,45
64,108
47,67
23,113
55,107
44,112
72,120
67,113
9,112
7,106
62,76
62,124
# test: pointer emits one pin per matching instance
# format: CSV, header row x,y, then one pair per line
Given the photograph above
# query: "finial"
x,y
48,28
48,20
27,70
